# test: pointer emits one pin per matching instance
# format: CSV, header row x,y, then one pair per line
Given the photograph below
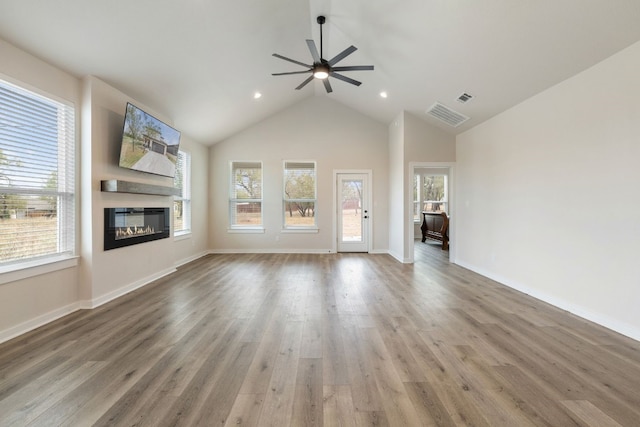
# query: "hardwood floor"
x,y
334,340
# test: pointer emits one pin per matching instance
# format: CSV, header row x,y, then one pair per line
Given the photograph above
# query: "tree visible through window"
x,y
245,201
299,195
429,194
37,176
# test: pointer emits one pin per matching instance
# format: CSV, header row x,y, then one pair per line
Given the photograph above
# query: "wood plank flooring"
x,y
311,340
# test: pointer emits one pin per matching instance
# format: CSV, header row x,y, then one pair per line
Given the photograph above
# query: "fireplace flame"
x,y
135,231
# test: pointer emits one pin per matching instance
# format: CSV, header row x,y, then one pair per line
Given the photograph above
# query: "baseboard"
x,y
43,319
191,259
379,252
602,320
399,258
103,299
270,251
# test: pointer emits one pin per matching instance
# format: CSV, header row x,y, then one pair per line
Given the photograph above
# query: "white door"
x,y
352,216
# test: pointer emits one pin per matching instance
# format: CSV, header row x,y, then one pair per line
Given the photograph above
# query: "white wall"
x,y
547,195
396,189
317,129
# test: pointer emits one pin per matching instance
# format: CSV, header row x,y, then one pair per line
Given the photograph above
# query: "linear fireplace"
x,y
130,226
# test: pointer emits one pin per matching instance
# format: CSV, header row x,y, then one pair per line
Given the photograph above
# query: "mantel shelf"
x,y
117,186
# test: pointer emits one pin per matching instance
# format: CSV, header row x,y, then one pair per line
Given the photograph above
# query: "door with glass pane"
x,y
352,212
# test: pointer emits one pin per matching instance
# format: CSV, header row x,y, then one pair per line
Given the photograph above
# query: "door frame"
x,y
368,226
409,233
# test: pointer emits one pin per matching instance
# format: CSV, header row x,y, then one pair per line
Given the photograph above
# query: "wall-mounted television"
x,y
148,145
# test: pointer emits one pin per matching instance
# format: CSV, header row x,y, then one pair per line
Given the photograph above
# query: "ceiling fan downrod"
x,y
321,20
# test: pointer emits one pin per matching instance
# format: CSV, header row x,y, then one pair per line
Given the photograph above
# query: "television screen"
x,y
148,145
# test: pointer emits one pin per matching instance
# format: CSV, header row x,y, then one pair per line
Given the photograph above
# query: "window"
x,y
299,195
182,204
37,177
429,195
245,199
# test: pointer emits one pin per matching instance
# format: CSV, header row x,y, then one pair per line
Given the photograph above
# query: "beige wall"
x,y
316,129
536,211
29,302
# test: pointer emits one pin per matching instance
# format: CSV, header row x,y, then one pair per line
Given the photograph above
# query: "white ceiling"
x,y
199,62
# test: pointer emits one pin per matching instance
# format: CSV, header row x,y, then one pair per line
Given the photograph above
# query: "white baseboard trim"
x,y
379,252
190,259
56,314
271,251
36,322
602,320
103,299
399,258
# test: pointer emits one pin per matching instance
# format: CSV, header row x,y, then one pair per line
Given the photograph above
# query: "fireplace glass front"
x,y
131,226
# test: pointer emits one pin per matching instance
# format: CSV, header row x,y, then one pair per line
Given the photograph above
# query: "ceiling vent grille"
x,y
464,97
447,115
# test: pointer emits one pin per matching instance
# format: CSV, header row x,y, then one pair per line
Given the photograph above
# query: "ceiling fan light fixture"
x,y
321,72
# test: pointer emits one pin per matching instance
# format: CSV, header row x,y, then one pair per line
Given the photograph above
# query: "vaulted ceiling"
x,y
199,62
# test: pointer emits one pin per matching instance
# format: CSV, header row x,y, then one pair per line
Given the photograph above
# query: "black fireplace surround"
x,y
131,226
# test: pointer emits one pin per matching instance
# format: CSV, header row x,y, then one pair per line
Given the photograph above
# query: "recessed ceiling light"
x,y
383,94
257,95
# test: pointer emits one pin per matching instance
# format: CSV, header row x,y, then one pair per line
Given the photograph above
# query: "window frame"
x,y
185,165
65,193
285,200
419,193
233,201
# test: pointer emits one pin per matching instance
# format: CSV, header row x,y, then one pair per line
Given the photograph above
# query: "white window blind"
x,y
182,204
245,199
299,194
37,176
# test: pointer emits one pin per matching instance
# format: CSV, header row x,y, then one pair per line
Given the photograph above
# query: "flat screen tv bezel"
x,y
161,124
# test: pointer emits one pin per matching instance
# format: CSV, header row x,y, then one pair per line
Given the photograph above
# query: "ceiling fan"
x,y
321,68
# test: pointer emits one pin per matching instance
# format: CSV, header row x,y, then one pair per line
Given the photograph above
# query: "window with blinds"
x,y
37,176
245,199
182,204
299,200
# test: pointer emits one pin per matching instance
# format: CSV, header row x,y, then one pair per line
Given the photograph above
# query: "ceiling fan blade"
x,y
339,57
292,60
290,72
314,50
353,68
304,83
327,85
345,79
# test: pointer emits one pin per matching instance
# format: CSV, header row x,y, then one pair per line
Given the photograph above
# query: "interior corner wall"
x,y
535,210
396,188
31,302
316,129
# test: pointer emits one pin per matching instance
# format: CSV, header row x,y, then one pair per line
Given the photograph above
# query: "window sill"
x,y
24,270
300,230
182,235
246,230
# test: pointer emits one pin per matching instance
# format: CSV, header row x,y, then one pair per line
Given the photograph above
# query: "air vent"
x,y
447,115
464,97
